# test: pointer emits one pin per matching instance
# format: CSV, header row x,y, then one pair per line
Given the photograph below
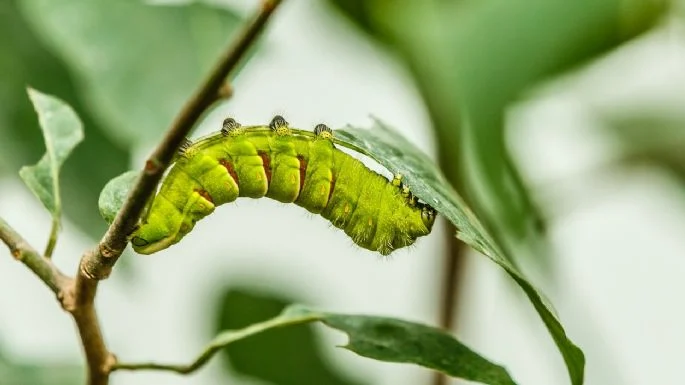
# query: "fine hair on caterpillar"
x,y
288,165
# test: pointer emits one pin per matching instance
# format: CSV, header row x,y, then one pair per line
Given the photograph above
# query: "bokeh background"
x,y
598,148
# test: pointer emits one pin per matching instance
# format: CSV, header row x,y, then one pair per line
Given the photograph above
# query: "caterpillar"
x,y
290,166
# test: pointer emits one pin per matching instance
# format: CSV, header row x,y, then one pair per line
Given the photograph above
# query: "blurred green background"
x,y
560,122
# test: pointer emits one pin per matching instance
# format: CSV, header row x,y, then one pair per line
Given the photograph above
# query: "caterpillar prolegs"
x,y
290,166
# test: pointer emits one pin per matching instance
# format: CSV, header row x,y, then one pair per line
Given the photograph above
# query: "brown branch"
x,y
99,358
24,253
97,264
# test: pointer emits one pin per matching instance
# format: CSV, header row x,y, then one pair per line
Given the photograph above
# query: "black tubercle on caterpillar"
x,y
229,126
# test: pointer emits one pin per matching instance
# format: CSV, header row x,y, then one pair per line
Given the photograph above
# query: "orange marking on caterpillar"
x,y
303,170
231,171
266,162
205,194
330,192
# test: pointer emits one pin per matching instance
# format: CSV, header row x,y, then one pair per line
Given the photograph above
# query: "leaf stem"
x,y
52,241
219,342
26,254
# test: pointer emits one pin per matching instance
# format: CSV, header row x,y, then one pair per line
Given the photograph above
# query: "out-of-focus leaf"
x,y
380,338
284,356
114,194
472,59
427,182
361,13
62,131
136,62
24,60
485,55
645,136
22,373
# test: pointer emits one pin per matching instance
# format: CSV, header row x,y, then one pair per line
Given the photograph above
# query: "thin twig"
x,y
452,279
97,264
23,252
52,241
221,341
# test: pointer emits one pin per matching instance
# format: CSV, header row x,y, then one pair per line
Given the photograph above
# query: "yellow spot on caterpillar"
x,y
370,222
282,131
325,135
347,208
397,180
236,131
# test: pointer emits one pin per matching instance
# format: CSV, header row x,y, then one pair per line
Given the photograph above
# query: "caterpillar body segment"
x,y
290,166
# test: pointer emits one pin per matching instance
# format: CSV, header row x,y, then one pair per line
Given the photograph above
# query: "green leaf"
x,y
394,340
397,154
62,131
484,57
391,340
283,356
425,180
24,60
498,52
137,63
114,194
381,338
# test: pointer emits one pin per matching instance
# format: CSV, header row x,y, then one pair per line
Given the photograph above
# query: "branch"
x,y
97,264
99,358
219,342
454,271
23,252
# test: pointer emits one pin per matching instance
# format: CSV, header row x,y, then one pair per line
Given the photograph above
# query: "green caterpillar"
x,y
287,165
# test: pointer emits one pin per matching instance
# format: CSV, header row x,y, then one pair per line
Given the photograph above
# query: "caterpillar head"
x,y
164,227
428,215
148,239
152,237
